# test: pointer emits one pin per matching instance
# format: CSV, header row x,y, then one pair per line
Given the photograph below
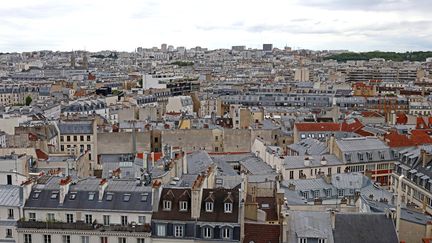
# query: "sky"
x,y
94,25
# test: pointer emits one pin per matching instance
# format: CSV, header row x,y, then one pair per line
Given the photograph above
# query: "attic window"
x,y
36,194
265,205
91,196
144,197
166,205
72,196
126,197
109,196
228,207
54,195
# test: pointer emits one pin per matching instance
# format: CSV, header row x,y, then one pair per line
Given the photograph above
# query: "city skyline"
x,y
388,25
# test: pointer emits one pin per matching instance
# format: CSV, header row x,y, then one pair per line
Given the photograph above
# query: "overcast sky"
x,y
359,25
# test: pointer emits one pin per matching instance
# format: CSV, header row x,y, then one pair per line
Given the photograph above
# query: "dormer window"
x,y
54,195
183,205
109,196
228,207
91,196
209,206
126,197
36,194
166,205
72,196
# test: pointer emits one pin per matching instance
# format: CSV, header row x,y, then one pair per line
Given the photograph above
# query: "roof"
x,y
10,196
308,146
295,162
304,224
261,233
361,143
198,161
80,191
75,127
322,126
362,228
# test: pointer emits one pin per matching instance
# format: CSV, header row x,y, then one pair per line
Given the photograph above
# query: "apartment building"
x,y
86,211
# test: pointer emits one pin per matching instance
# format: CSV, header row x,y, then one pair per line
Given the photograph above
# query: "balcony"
x,y
80,225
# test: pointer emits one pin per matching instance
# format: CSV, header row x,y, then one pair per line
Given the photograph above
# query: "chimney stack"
x,y
102,186
64,188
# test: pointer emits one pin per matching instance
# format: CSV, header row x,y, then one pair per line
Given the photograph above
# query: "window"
x,y
126,197
61,138
369,155
68,138
75,138
305,195
50,217
121,240
27,238
178,230
166,205
291,174
328,192
32,216
338,170
321,240
141,219
124,220
88,219
316,193
207,232
140,240
72,196
228,207
106,220
104,239
300,173
47,238
340,192
360,156
8,233
54,195
66,239
91,196
183,206
85,239
144,197
302,240
226,233
381,155
160,229
9,179
81,138
88,137
69,218
10,213
109,196
209,206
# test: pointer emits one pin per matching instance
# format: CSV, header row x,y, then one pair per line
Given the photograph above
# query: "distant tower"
x,y
164,47
85,61
72,60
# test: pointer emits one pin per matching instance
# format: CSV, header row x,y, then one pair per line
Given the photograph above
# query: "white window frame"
x,y
228,207
161,229
106,220
207,232
85,239
166,205
69,218
66,239
209,206
178,231
141,219
302,240
32,216
88,219
183,205
226,233
47,238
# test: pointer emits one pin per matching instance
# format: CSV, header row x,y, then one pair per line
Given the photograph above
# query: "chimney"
x,y
185,167
64,188
196,196
26,188
156,191
102,186
426,157
331,144
333,219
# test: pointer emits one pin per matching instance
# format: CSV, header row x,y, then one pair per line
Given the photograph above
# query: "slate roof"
x,y
296,162
198,161
78,197
309,146
10,196
75,127
304,224
362,228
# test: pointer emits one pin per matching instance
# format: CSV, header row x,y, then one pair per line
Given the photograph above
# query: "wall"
x,y
122,142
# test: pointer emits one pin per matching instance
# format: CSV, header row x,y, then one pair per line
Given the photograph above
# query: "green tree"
x,y
28,100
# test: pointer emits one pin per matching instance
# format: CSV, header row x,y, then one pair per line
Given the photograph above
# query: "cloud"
x,y
369,5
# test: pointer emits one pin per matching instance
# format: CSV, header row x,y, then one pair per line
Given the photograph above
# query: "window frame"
x,y
228,207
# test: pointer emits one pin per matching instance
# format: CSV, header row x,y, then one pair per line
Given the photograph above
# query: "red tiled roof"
x,y
322,126
41,155
401,118
329,126
370,114
262,233
364,133
418,137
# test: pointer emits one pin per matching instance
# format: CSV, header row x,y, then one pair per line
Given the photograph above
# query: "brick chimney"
x,y
64,188
156,191
102,186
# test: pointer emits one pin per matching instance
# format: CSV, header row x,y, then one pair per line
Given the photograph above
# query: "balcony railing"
x,y
80,225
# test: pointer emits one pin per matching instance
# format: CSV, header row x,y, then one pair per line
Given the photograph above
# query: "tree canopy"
x,y
393,56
